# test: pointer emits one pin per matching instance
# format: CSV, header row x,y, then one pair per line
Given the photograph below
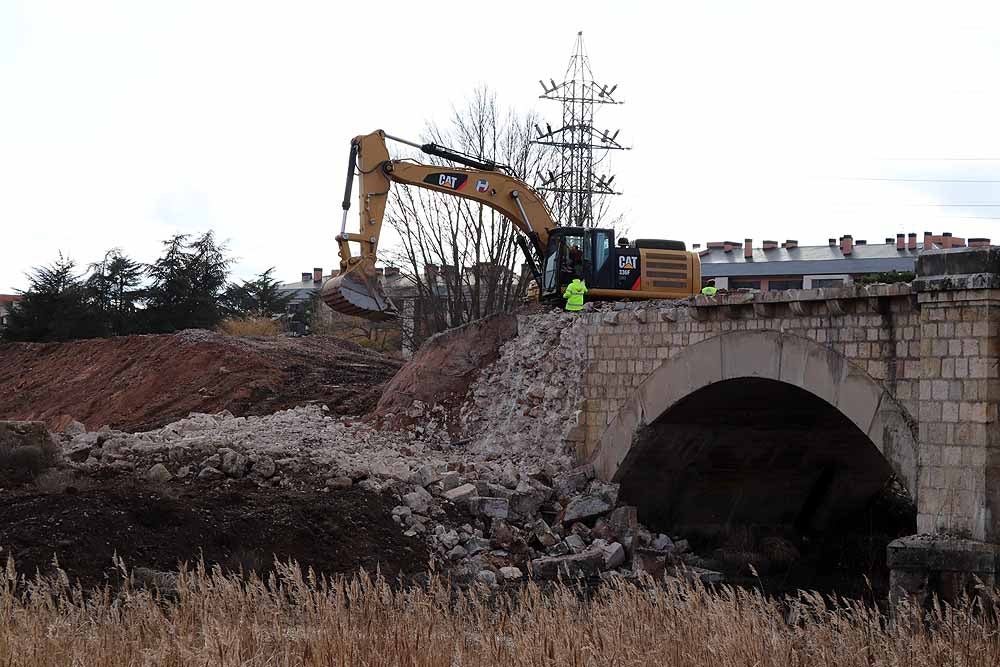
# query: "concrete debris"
x,y
511,573
460,493
159,473
585,508
586,564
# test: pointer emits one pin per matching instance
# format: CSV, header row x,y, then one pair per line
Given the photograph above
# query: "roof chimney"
x,y
318,274
727,246
946,240
832,242
978,242
714,244
900,241
928,242
911,241
770,245
748,248
888,240
695,246
791,243
861,242
847,244
306,276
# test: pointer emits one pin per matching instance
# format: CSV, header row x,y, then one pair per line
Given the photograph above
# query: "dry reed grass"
x,y
295,618
250,326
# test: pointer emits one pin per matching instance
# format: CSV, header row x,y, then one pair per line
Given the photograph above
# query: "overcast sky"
x,y
124,122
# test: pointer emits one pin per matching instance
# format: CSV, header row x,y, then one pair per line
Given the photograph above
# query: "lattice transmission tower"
x,y
574,185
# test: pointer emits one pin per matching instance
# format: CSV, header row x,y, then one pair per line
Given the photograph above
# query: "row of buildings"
x,y
787,265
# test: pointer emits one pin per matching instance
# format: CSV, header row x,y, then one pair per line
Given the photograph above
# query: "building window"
x,y
827,282
773,285
744,284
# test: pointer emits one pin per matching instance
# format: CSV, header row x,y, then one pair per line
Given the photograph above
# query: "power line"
x,y
919,180
938,159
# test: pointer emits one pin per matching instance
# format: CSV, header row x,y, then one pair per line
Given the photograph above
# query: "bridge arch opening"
x,y
762,435
752,452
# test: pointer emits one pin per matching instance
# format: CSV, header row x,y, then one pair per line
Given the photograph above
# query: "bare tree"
x,y
462,257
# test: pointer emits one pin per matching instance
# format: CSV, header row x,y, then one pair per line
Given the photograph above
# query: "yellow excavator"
x,y
643,269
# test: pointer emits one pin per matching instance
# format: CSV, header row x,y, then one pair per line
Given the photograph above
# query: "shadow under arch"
x,y
757,428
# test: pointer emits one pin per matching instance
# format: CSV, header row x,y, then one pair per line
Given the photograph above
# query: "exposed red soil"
x,y
444,367
234,528
136,383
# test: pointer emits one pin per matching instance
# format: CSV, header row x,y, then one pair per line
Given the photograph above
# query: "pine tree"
x,y
114,286
188,282
56,306
259,297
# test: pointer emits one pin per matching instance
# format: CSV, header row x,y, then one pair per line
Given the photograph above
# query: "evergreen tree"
x,y
114,286
259,297
56,306
188,282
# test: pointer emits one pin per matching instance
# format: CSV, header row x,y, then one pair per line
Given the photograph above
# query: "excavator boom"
x,y
356,290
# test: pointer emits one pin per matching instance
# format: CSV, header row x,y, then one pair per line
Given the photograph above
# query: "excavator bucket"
x,y
354,293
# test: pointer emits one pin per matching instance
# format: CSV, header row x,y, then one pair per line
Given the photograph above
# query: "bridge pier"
x,y
958,490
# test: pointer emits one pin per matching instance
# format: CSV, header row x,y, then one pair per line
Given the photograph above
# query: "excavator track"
x,y
352,295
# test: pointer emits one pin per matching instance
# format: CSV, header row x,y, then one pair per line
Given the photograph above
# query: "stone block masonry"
x,y
915,367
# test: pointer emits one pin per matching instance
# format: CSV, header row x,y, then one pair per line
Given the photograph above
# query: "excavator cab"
x,y
578,252
616,271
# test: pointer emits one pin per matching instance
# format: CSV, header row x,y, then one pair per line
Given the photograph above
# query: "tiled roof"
x,y
803,260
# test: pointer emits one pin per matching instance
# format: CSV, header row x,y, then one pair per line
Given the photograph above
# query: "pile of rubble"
x,y
523,403
564,526
486,519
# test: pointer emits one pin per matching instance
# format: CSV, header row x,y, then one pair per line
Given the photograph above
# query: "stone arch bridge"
x,y
791,408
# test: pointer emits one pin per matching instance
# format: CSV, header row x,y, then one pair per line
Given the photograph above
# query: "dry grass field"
x,y
296,619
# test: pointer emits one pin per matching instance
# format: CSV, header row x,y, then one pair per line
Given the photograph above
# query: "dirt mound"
x,y
136,383
444,367
232,527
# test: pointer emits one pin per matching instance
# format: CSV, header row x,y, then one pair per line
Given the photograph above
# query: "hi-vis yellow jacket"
x,y
574,294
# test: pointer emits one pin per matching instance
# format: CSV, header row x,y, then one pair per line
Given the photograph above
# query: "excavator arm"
x,y
356,289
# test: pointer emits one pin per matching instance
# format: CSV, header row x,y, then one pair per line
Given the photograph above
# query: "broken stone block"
x,y
559,549
449,540
339,483
575,543
582,530
475,545
487,577
74,428
528,497
614,555
159,473
511,573
608,491
450,480
418,502
209,474
610,319
80,447
264,467
543,534
457,553
585,508
624,520
648,561
234,464
460,493
425,476
573,481
682,546
502,534
663,543
493,508
586,564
